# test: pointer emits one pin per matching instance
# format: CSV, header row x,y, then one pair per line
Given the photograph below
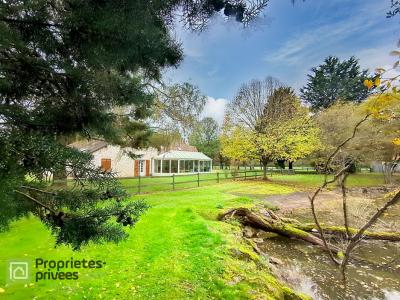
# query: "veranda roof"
x,y
183,155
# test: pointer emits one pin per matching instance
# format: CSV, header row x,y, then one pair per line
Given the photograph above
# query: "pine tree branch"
x,y
36,201
36,189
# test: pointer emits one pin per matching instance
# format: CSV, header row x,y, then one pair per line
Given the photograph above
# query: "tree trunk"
x,y
264,164
290,165
248,218
341,230
294,229
281,163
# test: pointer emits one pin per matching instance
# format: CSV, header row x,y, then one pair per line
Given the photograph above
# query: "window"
x,y
157,166
201,166
106,164
141,166
174,166
182,166
188,166
196,166
165,166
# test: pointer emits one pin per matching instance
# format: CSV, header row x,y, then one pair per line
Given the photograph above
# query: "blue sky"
x,y
285,44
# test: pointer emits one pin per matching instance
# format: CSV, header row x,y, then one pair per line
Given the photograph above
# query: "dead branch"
x,y
355,240
326,182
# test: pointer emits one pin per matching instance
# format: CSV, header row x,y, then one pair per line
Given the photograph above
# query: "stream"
x,y
376,275
307,269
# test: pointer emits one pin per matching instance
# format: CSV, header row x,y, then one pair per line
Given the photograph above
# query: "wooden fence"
x,y
140,185
148,184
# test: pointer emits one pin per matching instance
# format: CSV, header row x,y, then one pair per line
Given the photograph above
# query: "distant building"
x,y
176,159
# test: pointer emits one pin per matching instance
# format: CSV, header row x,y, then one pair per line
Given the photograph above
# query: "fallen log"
x,y
292,228
341,230
274,224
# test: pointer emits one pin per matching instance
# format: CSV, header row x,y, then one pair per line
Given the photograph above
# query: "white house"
x,y
177,159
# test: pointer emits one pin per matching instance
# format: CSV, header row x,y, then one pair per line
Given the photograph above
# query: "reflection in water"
x,y
310,271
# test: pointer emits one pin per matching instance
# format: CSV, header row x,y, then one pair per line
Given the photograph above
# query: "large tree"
x,y
247,106
284,115
335,80
375,139
237,143
284,130
205,137
247,109
64,68
179,107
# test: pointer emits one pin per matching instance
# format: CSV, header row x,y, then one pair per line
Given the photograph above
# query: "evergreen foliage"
x,y
335,80
82,68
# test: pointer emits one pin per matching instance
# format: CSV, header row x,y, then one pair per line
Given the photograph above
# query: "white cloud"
x,y
302,47
215,108
378,57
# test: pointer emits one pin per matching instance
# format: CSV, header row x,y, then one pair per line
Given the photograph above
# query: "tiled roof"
x,y
88,146
180,146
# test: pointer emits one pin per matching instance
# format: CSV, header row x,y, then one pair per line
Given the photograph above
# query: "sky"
x,y
285,43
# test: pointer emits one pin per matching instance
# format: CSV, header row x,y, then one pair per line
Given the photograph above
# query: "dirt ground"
x,y
362,202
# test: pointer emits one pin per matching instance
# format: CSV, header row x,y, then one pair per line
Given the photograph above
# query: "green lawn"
x,y
157,184
176,251
165,183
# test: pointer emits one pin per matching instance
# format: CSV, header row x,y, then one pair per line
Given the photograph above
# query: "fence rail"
x,y
141,185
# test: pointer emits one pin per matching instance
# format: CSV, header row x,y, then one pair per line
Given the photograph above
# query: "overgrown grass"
x,y
178,250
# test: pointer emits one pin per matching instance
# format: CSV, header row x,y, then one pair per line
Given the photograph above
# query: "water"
x,y
307,269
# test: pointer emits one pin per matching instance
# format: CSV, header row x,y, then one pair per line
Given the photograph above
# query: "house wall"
x,y
122,164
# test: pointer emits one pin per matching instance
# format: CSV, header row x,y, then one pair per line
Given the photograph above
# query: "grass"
x,y
165,183
314,180
303,181
176,251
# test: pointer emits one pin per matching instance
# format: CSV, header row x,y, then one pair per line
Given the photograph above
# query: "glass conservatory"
x,y
181,162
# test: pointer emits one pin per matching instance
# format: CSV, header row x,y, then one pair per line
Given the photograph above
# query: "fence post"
x,y
198,179
173,182
255,174
245,175
139,184
217,177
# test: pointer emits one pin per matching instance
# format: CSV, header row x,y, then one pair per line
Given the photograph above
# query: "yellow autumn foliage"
x,y
383,106
368,83
396,141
